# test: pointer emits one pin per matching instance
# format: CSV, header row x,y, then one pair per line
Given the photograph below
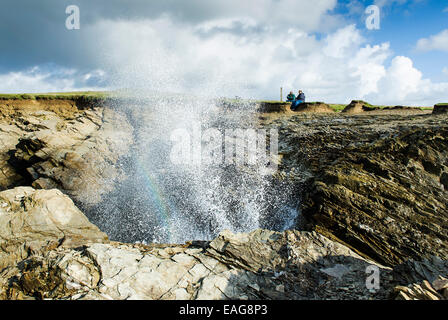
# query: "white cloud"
x,y
164,56
445,10
401,79
445,70
369,67
340,43
303,14
404,84
249,55
434,42
38,79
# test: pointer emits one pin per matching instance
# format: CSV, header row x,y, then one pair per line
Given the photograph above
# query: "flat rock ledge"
x,y
49,250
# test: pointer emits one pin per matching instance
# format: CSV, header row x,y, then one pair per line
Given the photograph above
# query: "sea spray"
x,y
170,202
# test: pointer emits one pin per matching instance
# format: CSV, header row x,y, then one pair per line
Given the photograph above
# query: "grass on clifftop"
x,y
95,96
86,95
339,107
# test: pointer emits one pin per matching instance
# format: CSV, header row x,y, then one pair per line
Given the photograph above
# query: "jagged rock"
x,y
371,188
294,265
33,221
57,144
422,280
416,271
375,183
50,250
438,290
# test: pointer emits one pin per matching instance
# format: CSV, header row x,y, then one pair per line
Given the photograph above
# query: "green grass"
x,y
16,97
85,95
97,96
337,107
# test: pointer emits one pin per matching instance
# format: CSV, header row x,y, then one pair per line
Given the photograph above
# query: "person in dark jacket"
x,y
300,99
301,96
291,97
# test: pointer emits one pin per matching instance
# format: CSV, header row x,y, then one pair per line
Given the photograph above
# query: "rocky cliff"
x,y
62,144
377,183
49,250
372,191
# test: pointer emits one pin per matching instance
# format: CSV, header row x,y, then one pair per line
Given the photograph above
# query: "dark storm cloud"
x,y
33,32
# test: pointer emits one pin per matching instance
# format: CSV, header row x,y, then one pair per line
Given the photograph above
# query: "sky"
x,y
230,48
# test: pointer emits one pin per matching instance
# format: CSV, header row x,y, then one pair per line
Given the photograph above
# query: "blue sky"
x,y
403,23
230,47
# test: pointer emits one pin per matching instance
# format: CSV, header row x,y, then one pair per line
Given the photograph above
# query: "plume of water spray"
x,y
166,202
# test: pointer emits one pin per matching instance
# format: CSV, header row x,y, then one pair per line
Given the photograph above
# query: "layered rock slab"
x,y
375,183
49,250
34,221
325,270
57,144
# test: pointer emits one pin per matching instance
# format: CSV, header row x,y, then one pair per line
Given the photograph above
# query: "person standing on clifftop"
x,y
291,97
300,99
